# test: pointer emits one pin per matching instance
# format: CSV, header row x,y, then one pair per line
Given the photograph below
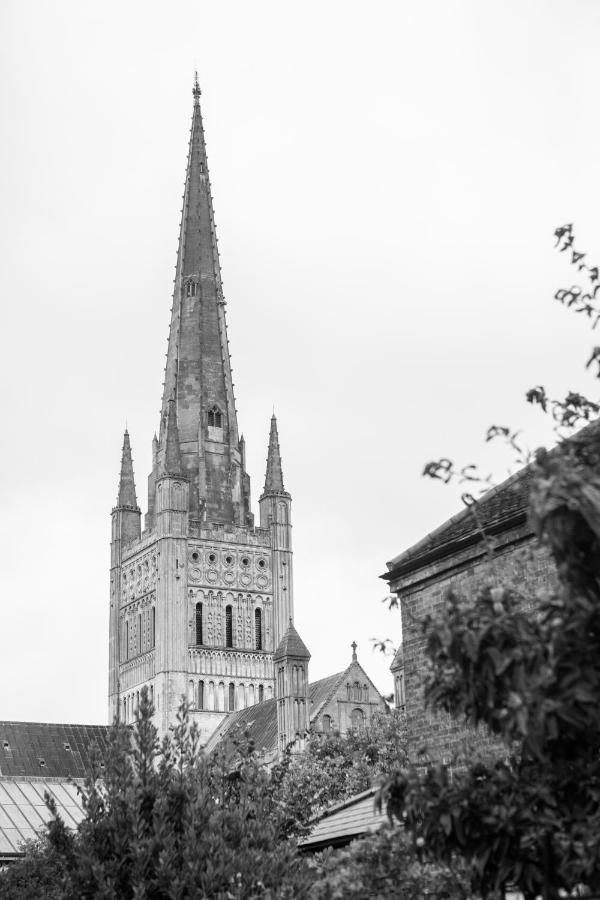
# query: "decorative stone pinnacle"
x,y
354,645
196,91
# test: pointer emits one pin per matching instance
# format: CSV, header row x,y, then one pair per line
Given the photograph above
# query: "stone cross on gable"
x,y
354,645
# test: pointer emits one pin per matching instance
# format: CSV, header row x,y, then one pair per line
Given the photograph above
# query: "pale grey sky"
x,y
386,177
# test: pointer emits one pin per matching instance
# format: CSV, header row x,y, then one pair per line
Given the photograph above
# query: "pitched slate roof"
x,y
503,508
344,822
260,721
48,750
23,811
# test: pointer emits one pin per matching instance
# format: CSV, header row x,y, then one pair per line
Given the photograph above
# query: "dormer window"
x,y
215,419
190,289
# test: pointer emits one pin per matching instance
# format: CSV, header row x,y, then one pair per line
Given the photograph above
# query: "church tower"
x,y
200,598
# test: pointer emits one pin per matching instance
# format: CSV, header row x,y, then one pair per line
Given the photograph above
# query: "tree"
x,y
171,822
334,768
384,866
531,816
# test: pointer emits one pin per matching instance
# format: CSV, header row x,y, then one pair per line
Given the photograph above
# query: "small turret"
x,y
291,689
275,514
125,528
126,514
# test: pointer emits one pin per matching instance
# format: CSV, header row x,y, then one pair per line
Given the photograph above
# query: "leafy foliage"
x,y
334,768
383,865
526,666
170,822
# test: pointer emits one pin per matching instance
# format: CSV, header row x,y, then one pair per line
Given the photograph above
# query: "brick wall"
x,y
519,559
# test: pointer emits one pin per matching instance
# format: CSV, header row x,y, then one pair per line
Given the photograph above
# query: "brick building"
x,y
496,542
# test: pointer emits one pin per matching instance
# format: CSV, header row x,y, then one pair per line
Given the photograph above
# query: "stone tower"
x,y
200,598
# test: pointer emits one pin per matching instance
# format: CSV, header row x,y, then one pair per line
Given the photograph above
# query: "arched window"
x,y
190,289
357,717
366,693
327,724
357,691
126,640
261,693
200,695
215,419
348,691
258,629
199,623
231,696
228,626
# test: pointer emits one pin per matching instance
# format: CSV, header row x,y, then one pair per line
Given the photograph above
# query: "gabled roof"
x,y
344,822
501,509
47,750
260,720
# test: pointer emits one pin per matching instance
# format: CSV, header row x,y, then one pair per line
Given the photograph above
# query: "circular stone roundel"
x,y
262,581
229,577
195,574
245,580
212,576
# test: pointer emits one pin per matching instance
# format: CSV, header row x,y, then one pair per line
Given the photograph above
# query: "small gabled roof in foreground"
x,y
344,822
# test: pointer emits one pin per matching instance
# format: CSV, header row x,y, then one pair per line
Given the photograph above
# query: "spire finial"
x,y
354,645
196,91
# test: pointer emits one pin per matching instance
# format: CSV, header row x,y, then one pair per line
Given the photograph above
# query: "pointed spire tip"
x,y
196,89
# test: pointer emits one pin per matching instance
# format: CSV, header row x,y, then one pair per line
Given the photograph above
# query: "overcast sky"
x,y
386,177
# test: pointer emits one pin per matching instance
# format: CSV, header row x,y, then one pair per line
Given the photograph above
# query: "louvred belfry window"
x,y
215,419
190,289
228,626
258,629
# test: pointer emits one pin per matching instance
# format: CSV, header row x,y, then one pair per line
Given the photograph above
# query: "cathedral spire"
x,y
198,368
126,495
274,474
